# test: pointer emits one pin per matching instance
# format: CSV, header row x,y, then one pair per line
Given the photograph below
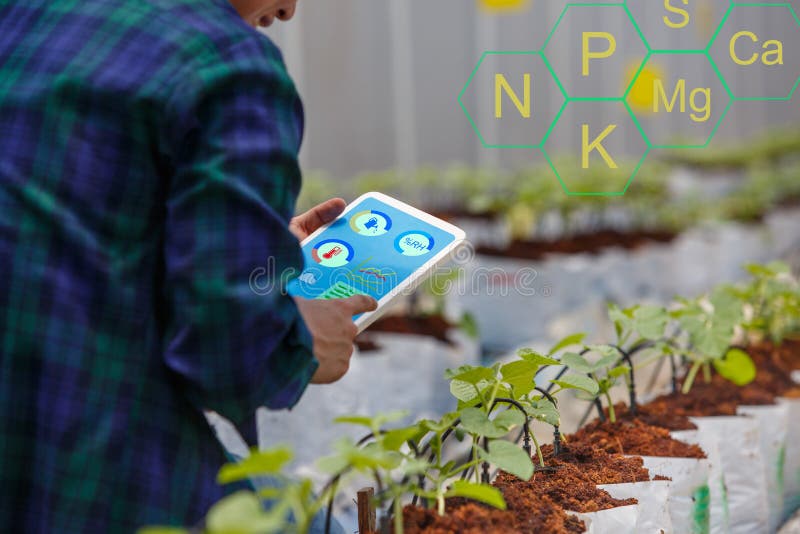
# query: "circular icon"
x,y
332,253
414,243
370,223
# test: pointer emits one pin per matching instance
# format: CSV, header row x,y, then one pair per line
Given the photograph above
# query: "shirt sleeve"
x,y
233,337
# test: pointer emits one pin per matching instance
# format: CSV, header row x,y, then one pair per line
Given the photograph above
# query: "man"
x,y
148,165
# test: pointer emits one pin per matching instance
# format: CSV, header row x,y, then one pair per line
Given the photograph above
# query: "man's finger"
x,y
360,304
322,214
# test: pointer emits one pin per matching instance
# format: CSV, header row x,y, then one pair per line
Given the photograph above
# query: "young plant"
x,y
710,324
479,391
772,301
595,378
293,502
442,472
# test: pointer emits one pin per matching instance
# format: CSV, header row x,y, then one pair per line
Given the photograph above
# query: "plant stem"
x,y
475,459
398,516
462,468
440,503
538,449
707,372
612,416
687,384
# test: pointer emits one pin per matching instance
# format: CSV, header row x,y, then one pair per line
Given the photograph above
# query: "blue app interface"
x,y
372,249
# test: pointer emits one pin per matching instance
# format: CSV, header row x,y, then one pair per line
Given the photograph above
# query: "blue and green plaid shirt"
x,y
148,165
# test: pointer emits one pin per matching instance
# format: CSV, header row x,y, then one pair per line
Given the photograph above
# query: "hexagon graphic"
x,y
687,25
679,99
511,99
605,150
757,50
591,49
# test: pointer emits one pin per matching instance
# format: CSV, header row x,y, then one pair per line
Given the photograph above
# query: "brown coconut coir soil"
x,y
434,326
654,416
596,465
634,437
525,514
593,243
572,484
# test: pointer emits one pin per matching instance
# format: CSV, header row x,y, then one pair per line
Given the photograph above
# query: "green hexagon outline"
x,y
589,193
475,71
650,49
728,14
624,6
720,77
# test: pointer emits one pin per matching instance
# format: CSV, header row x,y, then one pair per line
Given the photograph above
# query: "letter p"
x,y
589,55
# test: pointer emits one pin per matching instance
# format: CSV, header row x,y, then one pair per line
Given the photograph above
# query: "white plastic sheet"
x,y
719,513
689,497
772,420
653,504
743,465
791,468
620,520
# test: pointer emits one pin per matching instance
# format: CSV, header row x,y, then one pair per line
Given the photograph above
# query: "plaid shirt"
x,y
148,164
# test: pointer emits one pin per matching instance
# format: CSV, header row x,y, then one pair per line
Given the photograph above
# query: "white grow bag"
x,y
688,492
621,520
743,467
653,504
791,468
718,513
772,421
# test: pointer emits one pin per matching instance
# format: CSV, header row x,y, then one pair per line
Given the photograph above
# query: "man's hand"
x,y
331,325
306,224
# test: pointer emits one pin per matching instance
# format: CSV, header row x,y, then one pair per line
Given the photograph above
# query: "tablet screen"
x,y
371,249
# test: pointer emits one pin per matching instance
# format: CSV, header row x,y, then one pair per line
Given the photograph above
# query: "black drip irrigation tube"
x,y
556,429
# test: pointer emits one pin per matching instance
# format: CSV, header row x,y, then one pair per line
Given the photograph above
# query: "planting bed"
x,y
717,455
594,243
525,513
433,326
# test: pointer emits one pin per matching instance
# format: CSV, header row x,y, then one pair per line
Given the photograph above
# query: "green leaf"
x,y
520,375
543,410
577,363
579,382
574,339
727,308
508,457
622,319
475,421
737,366
242,513
534,357
394,439
463,391
650,321
470,374
371,422
365,459
477,492
259,463
509,419
617,372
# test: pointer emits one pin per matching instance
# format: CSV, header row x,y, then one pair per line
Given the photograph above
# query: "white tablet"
x,y
379,247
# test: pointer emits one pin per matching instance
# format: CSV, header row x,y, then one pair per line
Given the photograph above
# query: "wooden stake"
x,y
366,511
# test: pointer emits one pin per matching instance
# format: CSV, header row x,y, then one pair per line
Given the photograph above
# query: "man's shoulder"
x,y
207,31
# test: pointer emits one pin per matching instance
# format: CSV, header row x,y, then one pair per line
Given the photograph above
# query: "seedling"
x,y
772,299
596,378
710,324
294,503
